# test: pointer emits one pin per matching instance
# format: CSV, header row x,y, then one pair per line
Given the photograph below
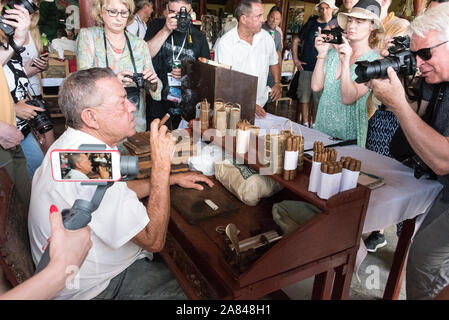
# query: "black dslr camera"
x,y
138,79
184,20
334,35
27,4
401,59
41,122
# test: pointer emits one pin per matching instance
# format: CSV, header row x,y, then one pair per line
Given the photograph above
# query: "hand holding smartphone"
x,y
85,166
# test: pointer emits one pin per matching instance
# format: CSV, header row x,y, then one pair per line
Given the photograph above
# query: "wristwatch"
x,y
15,47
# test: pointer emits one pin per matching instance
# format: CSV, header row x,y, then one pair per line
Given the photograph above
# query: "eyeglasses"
x,y
426,53
114,13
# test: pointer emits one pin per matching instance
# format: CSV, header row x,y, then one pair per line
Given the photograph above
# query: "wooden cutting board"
x,y
190,202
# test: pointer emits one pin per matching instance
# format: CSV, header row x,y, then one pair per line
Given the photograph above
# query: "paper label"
x,y
291,160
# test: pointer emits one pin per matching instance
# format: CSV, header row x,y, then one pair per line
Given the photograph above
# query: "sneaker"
x,y
375,241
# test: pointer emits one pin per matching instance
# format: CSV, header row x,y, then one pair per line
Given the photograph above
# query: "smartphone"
x,y
85,166
44,55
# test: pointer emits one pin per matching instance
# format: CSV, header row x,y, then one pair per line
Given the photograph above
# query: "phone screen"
x,y
85,166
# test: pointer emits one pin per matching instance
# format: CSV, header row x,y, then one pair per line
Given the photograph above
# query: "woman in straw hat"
x,y
342,109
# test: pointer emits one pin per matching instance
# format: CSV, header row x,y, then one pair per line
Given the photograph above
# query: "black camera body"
x,y
401,59
27,4
138,79
184,20
334,35
42,122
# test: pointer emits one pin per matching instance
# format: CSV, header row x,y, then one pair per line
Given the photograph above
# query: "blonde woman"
x,y
21,74
342,108
109,45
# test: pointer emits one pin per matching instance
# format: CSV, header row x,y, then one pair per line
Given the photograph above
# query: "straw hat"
x,y
364,9
330,3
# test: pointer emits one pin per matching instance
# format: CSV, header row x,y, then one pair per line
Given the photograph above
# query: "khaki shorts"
x,y
304,91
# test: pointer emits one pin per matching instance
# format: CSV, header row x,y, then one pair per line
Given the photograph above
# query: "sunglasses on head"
x,y
426,53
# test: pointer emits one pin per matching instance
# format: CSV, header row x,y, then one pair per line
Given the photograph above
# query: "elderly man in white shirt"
x,y
123,230
251,50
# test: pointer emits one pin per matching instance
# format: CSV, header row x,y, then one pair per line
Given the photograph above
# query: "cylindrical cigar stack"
x,y
204,114
228,108
351,171
221,121
234,118
292,145
351,163
321,154
331,167
218,105
300,154
243,135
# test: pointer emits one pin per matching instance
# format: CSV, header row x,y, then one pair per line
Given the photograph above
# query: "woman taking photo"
x,y
109,45
342,111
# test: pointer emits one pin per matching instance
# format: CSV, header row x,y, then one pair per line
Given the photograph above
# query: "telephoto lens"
x,y
42,122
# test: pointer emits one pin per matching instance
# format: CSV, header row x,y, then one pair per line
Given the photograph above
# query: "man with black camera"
x,y
427,267
11,154
170,40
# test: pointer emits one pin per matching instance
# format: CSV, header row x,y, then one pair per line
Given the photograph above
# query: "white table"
x,y
403,197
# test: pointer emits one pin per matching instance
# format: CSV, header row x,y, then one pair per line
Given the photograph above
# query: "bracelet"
x,y
318,57
15,47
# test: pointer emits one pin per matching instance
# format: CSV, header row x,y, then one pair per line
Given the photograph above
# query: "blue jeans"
x,y
144,280
33,154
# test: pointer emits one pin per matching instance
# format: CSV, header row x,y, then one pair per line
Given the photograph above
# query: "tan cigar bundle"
x,y
331,167
226,115
294,145
321,154
204,114
351,163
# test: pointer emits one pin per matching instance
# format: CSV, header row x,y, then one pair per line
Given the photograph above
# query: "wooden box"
x,y
205,81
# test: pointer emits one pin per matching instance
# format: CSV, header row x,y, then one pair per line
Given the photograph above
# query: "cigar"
x,y
164,120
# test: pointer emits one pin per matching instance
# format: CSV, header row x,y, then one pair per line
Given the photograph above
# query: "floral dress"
x,y
334,118
90,52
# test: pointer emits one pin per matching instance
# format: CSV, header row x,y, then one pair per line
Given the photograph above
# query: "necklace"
x,y
116,50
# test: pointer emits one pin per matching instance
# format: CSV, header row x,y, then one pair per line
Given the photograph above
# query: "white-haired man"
x,y
427,267
97,112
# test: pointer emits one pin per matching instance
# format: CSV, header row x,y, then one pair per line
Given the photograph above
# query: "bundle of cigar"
x,y
218,105
331,167
244,125
324,154
204,114
293,144
351,163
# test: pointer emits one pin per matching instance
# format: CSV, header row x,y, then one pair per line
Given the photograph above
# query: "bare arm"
x,y
152,237
350,91
19,19
318,74
155,43
429,145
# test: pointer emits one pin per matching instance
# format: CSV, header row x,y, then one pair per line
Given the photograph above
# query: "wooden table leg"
x,y
322,286
396,275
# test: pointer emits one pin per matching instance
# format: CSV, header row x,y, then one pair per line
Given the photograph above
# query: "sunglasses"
x,y
426,53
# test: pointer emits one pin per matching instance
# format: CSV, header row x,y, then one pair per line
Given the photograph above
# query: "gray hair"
x,y
141,4
436,18
244,8
79,91
73,159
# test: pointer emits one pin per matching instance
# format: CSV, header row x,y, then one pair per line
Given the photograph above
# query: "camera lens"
x,y
41,122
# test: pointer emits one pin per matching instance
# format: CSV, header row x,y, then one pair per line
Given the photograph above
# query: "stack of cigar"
x,y
331,167
323,154
301,153
218,105
351,164
293,144
204,114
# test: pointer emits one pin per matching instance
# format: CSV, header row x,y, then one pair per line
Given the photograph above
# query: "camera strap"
x,y
173,47
129,48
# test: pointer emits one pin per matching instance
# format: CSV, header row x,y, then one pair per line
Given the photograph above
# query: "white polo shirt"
x,y
119,218
252,59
